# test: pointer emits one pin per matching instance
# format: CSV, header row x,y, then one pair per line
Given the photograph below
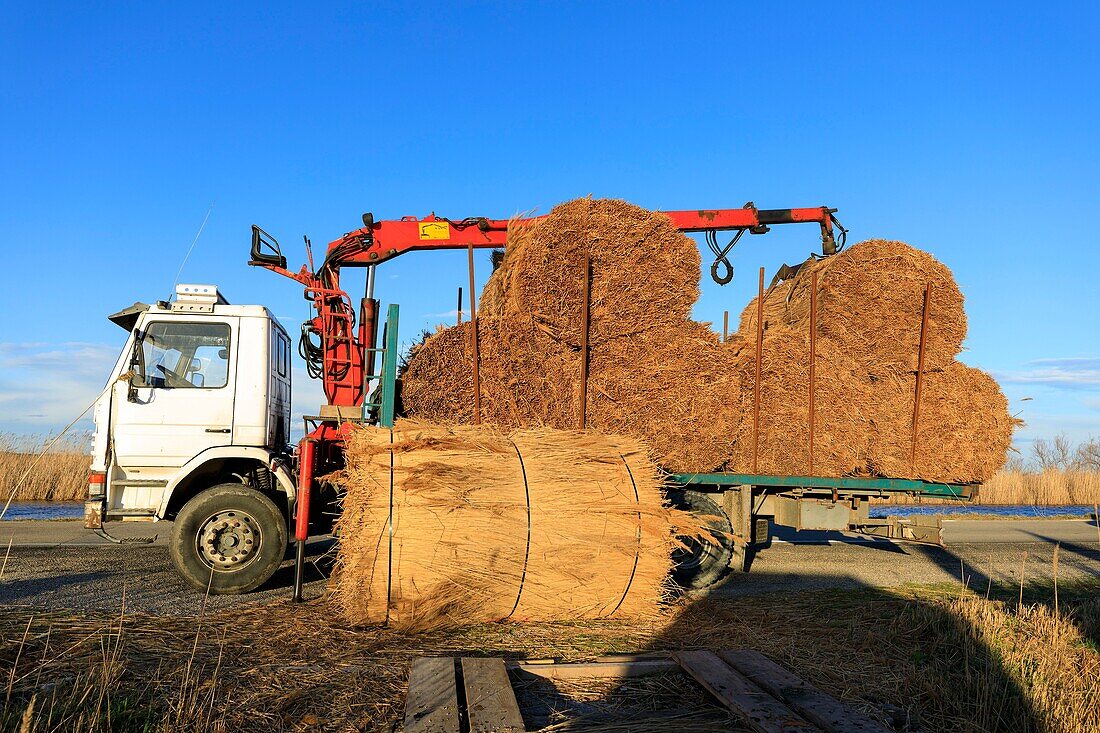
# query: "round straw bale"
x,y
964,427
521,373
644,270
842,410
446,526
870,301
674,387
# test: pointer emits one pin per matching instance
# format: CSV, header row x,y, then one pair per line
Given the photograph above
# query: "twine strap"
x,y
527,550
638,537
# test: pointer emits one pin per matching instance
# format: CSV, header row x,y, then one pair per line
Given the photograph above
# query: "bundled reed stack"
x,y
446,526
653,373
870,305
656,375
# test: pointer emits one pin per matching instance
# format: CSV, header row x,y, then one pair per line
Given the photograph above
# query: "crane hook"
x,y
720,256
725,278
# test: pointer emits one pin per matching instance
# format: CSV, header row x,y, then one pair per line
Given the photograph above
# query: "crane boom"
x,y
341,355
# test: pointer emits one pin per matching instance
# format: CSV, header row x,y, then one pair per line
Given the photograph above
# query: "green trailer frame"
x,y
885,485
752,503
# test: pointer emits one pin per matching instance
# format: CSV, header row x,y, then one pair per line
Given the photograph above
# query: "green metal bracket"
x,y
389,367
957,491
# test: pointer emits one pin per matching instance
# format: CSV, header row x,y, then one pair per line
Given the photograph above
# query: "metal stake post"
x,y
759,369
584,343
459,310
920,377
473,342
813,363
725,325
301,523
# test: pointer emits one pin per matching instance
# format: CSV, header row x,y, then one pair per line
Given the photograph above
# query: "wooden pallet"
x,y
768,698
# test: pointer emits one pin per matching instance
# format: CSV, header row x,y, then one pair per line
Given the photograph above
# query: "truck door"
x,y
180,399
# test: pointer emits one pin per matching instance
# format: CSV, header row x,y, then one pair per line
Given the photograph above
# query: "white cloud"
x,y
1075,373
45,386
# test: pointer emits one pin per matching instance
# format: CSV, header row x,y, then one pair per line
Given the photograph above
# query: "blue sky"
x,y
969,130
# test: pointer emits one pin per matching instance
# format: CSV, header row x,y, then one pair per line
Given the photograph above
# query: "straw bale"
x,y
870,301
521,371
534,525
863,423
964,430
644,270
672,386
658,376
843,414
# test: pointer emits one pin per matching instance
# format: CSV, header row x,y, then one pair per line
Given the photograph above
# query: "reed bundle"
x,y
870,302
445,526
668,381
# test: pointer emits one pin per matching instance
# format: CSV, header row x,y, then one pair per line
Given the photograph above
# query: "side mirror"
x,y
196,365
137,367
265,250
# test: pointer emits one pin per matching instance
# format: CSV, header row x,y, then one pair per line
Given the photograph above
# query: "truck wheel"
x,y
228,538
704,561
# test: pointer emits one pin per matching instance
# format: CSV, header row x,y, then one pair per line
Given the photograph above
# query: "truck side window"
x,y
283,354
184,355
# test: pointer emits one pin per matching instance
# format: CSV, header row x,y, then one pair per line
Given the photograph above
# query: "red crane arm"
x,y
383,240
341,358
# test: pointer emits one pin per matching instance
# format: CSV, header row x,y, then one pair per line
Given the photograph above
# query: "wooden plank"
x,y
802,697
610,667
432,702
491,705
761,711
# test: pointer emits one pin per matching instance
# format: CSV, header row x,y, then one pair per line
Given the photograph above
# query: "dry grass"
x,y
60,476
938,660
1051,487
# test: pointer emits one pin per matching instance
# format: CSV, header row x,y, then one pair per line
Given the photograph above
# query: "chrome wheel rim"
x,y
228,540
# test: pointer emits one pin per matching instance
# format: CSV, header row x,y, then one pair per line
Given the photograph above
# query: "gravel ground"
x,y
99,575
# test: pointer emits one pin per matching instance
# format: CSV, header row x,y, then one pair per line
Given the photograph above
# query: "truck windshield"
x,y
184,355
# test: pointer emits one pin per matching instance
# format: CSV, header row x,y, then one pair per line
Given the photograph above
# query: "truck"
x,y
195,424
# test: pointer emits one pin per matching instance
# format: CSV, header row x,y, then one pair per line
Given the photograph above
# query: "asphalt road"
x,y
59,565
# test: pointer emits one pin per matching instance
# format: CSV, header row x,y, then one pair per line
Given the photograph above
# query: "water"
x,y
1008,510
44,510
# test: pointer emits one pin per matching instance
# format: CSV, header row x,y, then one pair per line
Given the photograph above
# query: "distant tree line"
x,y
1059,454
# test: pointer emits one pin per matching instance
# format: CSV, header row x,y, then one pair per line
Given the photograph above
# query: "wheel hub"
x,y
228,540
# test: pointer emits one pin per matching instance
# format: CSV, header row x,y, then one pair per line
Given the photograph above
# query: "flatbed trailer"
x,y
745,506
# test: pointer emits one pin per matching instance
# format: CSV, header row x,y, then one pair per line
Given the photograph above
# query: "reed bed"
x,y
60,476
923,659
1050,487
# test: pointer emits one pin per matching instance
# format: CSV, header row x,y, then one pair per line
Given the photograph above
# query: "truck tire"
x,y
703,563
228,539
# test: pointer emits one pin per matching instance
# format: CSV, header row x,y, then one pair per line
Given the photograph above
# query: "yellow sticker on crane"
x,y
435,230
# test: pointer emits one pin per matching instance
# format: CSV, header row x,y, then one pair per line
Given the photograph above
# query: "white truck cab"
x,y
194,427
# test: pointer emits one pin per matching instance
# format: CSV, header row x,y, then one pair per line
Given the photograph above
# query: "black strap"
x,y
527,551
638,537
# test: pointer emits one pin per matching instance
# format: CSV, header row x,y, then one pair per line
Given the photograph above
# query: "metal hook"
x,y
720,256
